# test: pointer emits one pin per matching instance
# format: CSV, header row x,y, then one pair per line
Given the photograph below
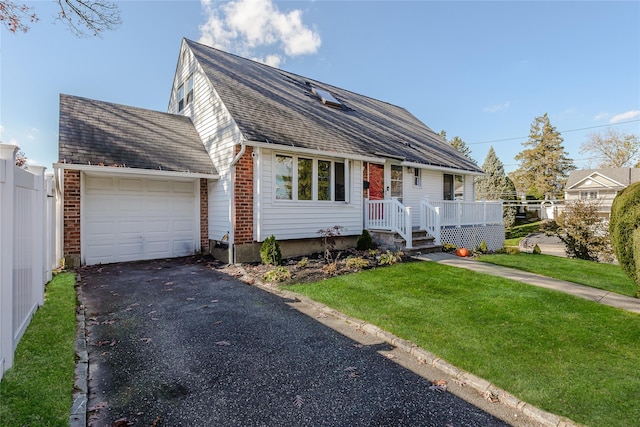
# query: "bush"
x,y
278,274
625,217
356,263
365,242
449,247
536,250
270,251
389,258
482,248
583,232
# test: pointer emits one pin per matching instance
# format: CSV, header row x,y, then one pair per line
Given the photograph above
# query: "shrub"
x,y
303,263
329,236
356,263
449,247
331,268
389,258
270,251
365,242
536,250
482,247
625,217
278,274
583,232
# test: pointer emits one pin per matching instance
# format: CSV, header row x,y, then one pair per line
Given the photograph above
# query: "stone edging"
x,y
482,386
78,416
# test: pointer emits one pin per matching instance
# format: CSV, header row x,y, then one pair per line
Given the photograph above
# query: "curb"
x,y
481,386
78,416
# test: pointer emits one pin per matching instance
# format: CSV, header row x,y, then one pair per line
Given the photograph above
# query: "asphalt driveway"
x,y
180,343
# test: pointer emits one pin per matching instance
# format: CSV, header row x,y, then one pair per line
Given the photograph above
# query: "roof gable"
x,y
101,133
613,178
273,106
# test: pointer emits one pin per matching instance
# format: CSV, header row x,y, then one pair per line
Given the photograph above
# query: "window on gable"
x,y
589,195
305,179
185,93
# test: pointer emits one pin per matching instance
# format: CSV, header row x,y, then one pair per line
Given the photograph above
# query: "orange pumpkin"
x,y
463,252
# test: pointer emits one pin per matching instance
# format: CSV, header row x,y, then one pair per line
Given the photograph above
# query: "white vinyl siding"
x,y
127,219
289,219
219,133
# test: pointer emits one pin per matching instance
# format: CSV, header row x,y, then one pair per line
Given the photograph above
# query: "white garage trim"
x,y
127,217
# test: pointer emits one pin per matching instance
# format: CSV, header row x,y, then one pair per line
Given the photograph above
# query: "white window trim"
x,y
314,180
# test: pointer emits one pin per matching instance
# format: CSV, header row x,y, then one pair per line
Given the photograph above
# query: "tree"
x,y
584,233
459,145
496,185
616,149
21,159
544,165
83,17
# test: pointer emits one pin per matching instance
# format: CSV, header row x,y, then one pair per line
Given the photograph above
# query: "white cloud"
x,y
629,115
272,60
498,107
601,116
243,26
32,133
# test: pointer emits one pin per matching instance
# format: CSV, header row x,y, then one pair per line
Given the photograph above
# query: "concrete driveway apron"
x,y
177,343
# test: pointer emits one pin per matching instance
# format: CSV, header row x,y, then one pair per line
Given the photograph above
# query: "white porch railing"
x,y
430,220
389,215
458,213
393,216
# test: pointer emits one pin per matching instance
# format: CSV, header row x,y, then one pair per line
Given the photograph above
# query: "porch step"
x,y
421,242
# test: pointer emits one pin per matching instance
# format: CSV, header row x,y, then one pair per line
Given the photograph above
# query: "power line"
x,y
561,131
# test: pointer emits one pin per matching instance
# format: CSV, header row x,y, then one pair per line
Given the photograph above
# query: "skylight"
x,y
326,97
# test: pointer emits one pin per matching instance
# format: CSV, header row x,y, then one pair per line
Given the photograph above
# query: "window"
x,y
453,188
284,177
300,178
187,87
326,97
396,182
305,179
589,195
417,177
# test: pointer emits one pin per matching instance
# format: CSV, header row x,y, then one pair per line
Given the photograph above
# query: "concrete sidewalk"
x,y
597,295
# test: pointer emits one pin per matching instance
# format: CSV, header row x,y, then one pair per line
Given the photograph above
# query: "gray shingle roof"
x,y
95,132
275,106
624,176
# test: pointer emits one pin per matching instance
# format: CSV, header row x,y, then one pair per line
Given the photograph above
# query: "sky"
x,y
479,70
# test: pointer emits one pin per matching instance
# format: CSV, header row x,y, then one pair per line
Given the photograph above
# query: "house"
x,y
599,185
246,151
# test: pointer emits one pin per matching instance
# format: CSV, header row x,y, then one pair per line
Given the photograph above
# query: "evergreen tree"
x,y
459,145
544,165
496,185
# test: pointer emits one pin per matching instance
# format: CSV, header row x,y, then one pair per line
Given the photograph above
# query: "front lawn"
x,y
609,277
563,354
36,391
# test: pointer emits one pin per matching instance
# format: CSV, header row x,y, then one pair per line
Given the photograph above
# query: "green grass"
x,y
609,277
520,231
566,355
513,242
36,391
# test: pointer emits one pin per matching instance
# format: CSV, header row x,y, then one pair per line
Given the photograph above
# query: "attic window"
x,y
326,97
185,93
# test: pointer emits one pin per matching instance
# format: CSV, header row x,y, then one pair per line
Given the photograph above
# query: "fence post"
x,y
365,213
484,212
436,227
39,232
7,191
409,228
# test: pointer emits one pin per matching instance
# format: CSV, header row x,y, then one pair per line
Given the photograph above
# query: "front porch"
x,y
464,224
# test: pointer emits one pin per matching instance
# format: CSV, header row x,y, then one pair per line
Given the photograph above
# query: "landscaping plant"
x,y
270,253
624,231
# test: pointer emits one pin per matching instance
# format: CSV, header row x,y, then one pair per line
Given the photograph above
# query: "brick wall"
x,y
204,214
376,181
71,214
243,196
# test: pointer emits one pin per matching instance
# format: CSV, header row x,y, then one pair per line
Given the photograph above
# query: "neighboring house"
x,y
599,185
250,151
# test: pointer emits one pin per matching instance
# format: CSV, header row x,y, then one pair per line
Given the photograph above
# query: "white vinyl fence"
x,y
27,246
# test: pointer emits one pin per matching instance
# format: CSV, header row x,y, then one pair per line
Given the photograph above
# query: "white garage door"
x,y
128,219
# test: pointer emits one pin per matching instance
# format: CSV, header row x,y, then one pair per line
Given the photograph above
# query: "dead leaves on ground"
x,y
438,385
297,401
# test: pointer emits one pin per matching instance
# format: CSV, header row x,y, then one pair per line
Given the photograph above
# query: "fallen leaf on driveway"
x,y
146,340
438,388
222,343
156,422
460,383
97,406
168,283
298,401
122,422
390,356
442,383
191,299
491,397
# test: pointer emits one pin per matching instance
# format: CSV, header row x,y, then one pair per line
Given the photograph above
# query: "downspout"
x,y
232,234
